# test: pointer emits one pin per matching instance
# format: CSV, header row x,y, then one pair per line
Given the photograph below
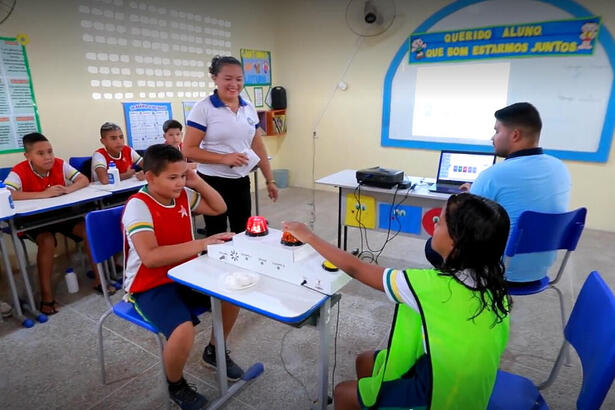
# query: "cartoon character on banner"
x,y
589,31
418,47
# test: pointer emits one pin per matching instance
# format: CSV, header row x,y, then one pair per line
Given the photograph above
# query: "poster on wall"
x,y
187,107
256,67
548,38
144,122
18,111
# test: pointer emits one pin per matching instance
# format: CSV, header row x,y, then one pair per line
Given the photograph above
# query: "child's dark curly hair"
x,y
479,230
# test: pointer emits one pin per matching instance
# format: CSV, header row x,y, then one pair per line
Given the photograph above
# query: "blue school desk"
x,y
37,213
372,208
272,298
30,214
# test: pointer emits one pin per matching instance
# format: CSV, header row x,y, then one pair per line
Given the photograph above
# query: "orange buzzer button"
x,y
289,240
328,266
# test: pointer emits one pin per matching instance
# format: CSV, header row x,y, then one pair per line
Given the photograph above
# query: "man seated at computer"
x,y
527,180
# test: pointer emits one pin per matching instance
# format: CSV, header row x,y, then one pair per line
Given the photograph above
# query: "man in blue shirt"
x,y
527,180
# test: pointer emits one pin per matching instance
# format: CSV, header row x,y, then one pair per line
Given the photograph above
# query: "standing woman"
x,y
223,136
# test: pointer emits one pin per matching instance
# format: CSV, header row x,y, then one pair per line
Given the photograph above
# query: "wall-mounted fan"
x,y
6,8
369,18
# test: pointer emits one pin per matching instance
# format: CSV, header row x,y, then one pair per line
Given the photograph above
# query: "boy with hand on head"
x,y
42,175
158,226
123,156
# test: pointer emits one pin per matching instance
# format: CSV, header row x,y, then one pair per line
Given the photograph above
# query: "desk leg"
x,y
216,310
9,274
339,218
323,369
24,273
251,374
256,192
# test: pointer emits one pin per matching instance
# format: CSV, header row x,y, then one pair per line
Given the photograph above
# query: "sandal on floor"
x,y
110,289
49,308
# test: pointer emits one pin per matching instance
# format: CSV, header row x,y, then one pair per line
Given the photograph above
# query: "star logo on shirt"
x,y
182,211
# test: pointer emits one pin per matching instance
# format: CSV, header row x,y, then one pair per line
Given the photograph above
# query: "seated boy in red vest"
x,y
158,225
42,175
124,157
172,133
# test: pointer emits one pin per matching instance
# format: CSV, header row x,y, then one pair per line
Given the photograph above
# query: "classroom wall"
x,y
69,116
313,45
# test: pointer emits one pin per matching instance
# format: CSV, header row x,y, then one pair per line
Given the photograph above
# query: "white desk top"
x,y
34,206
270,297
347,179
131,183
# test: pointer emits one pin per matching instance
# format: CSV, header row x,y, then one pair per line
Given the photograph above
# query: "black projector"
x,y
380,177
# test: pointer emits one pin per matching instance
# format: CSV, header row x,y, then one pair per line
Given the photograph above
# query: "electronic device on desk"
x,y
279,255
459,167
380,177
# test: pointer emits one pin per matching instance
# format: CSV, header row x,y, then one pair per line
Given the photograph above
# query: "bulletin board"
x,y
18,111
144,122
538,52
256,66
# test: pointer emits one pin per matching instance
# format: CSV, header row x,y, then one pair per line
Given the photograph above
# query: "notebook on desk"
x,y
460,167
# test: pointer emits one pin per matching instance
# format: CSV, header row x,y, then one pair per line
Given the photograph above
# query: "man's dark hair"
x,y
168,124
521,114
31,139
158,156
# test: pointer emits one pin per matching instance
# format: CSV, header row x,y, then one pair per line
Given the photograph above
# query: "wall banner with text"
x,y
550,38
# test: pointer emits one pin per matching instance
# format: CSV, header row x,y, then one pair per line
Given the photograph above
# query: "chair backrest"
x,y
104,231
591,330
540,232
83,165
4,172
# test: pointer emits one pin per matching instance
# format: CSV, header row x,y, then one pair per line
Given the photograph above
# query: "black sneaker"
x,y
233,371
186,396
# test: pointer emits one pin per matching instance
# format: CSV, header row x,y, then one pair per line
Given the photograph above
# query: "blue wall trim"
x,y
605,38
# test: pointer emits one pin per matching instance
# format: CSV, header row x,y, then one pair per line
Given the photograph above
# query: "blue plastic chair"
x,y
4,172
105,236
540,232
591,331
83,165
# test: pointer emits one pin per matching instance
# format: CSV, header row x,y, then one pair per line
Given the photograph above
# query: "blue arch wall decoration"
x,y
605,39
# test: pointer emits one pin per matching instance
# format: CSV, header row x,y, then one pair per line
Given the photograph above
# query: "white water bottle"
x,y
71,281
113,174
7,207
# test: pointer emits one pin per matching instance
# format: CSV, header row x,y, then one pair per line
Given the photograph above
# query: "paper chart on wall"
x,y
144,122
18,111
187,106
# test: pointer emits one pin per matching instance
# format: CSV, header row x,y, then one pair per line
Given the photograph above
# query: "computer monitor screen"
x,y
461,167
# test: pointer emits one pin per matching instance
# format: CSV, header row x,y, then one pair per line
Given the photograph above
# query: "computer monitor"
x,y
459,167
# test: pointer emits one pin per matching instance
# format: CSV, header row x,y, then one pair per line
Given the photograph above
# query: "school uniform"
x,y
437,357
127,158
157,298
24,178
227,132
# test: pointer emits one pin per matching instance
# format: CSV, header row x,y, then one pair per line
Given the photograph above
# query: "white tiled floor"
x,y
54,365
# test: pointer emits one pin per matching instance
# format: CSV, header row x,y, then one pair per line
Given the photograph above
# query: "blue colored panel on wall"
x,y
403,218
